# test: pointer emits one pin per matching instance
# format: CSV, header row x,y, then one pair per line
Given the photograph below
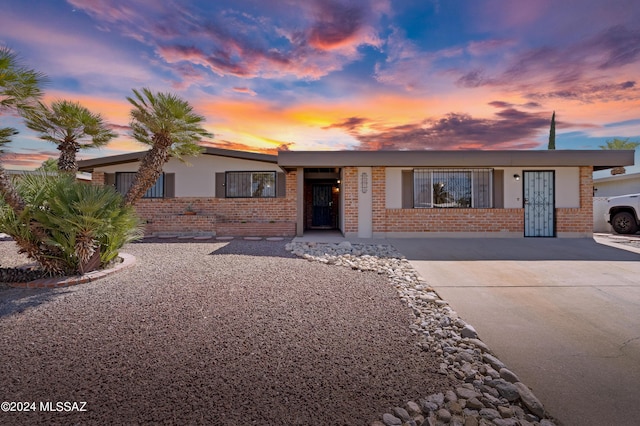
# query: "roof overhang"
x,y
598,159
89,165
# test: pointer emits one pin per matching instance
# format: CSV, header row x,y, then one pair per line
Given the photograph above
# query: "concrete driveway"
x,y
563,314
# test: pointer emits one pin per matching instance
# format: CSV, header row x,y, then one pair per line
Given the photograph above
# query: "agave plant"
x,y
66,224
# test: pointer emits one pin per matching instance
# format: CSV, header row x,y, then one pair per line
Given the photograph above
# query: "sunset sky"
x,y
341,74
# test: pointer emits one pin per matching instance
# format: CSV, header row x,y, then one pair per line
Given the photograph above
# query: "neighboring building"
x,y
612,186
372,193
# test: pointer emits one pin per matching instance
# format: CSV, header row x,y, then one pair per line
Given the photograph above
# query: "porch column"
x,y
300,202
365,203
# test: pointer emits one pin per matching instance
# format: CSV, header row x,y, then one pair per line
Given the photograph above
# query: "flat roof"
x,y
89,165
599,159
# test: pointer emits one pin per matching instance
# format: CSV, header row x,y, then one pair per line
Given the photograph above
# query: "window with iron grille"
x,y
452,188
250,184
125,179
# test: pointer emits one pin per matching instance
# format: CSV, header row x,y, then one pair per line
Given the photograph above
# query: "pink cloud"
x,y
30,160
312,39
244,90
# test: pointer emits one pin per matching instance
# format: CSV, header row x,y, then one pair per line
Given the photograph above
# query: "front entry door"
x,y
539,204
322,206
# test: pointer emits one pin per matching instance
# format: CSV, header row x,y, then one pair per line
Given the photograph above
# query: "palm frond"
x,y
64,222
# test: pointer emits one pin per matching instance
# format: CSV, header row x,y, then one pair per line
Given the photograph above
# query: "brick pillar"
x,y
378,186
350,188
97,178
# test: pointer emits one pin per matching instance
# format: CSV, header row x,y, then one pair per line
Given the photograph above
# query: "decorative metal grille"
x,y
452,188
125,179
250,184
539,201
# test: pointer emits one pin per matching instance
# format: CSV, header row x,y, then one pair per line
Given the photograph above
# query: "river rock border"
x,y
490,394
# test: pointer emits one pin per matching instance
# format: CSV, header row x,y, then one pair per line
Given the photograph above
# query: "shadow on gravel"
x,y
17,300
256,248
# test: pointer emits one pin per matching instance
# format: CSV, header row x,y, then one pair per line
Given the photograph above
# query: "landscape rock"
x,y
391,420
490,395
529,399
508,375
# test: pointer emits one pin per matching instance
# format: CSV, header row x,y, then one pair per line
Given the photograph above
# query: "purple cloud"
x,y
308,40
510,129
567,72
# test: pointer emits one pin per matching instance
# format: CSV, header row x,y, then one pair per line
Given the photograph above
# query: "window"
x,y
125,179
452,188
250,184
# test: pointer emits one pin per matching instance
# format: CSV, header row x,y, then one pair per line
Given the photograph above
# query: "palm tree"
x,y
19,86
19,89
168,124
71,126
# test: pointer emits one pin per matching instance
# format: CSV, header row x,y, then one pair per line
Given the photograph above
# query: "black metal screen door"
x,y
322,204
539,204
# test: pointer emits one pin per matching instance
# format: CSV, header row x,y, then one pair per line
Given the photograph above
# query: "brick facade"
x,y
222,216
568,220
350,208
277,216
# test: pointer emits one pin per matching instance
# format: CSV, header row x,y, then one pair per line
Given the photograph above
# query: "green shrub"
x,y
66,222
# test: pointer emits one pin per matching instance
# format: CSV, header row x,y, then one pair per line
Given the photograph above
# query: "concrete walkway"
x,y
563,314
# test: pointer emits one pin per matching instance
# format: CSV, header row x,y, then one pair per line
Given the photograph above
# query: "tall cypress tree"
x,y
552,132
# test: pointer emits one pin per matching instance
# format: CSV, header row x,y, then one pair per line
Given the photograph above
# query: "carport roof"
x,y
599,159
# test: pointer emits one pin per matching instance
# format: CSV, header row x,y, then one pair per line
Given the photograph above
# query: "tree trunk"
x,y
149,171
67,161
8,191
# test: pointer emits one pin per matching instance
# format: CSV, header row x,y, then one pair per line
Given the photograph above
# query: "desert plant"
x,y
65,224
167,124
19,91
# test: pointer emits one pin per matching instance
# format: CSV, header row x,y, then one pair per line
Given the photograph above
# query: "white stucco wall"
x,y
567,189
198,179
393,194
365,203
567,192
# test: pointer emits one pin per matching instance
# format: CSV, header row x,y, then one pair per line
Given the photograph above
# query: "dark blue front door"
x,y
322,206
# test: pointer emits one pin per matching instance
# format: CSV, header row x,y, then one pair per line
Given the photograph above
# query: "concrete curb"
x,y
617,241
56,282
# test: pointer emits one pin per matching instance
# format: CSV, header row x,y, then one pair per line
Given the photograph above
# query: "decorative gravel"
x,y
226,333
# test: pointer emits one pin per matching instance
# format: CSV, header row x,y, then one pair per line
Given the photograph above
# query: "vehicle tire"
x,y
624,223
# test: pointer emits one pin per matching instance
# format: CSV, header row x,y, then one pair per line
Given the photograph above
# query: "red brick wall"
x,y
454,220
223,216
97,178
574,220
350,188
379,198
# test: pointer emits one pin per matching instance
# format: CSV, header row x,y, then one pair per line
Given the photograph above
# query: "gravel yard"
x,y
229,333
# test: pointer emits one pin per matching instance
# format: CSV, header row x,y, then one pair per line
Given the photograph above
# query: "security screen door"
x,y
539,203
322,204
